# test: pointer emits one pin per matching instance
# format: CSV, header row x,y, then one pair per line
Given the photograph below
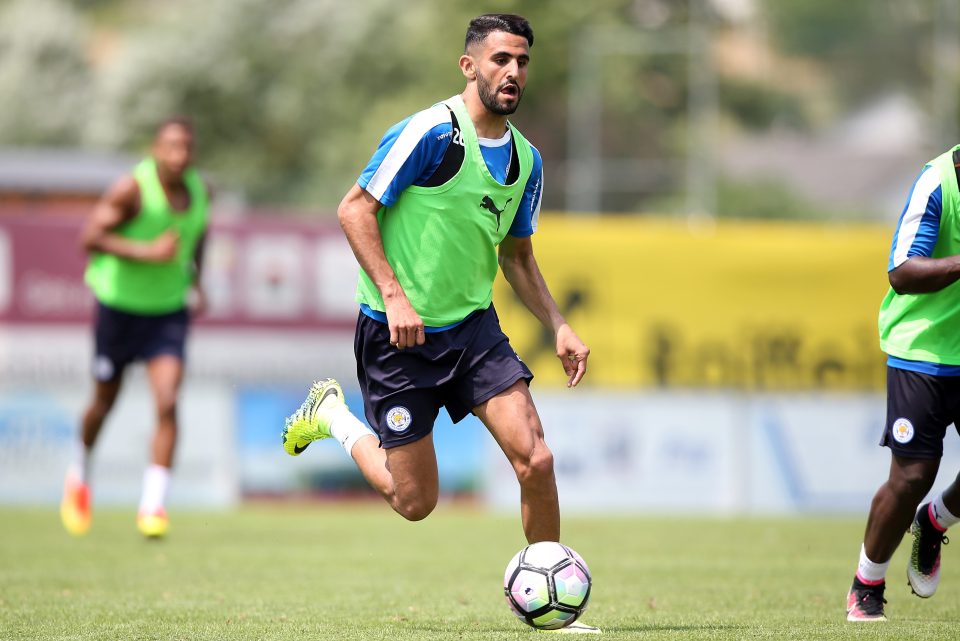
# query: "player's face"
x,y
173,149
501,65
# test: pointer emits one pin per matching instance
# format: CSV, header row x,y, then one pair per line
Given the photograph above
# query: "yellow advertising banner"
x,y
725,305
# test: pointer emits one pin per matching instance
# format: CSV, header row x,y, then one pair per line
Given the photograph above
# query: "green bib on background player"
x,y
442,241
152,288
926,327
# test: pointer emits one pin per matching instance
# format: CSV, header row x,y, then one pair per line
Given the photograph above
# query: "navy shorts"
x,y
920,407
459,368
122,338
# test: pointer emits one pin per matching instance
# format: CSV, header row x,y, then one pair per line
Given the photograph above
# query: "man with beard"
x,y
449,192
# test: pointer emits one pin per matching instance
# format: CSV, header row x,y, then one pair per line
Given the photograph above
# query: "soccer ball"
x,y
547,585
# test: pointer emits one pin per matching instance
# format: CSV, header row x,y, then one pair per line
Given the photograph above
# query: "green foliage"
x,y
291,98
768,199
759,106
761,200
44,73
893,38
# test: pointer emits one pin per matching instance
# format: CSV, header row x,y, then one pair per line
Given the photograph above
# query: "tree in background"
x,y
45,77
291,97
892,38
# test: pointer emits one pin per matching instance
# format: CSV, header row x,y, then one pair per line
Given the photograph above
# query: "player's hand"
x,y
406,326
198,301
572,354
162,249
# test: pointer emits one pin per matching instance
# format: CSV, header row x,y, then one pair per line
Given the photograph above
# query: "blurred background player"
x,y
920,333
145,239
446,190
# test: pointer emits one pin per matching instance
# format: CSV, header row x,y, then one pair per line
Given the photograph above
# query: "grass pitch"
x,y
310,572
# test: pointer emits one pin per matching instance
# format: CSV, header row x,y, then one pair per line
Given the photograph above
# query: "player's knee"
x,y
537,466
415,509
102,404
100,408
167,409
914,482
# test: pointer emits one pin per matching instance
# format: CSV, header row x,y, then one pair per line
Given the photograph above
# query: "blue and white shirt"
x,y
919,224
412,150
916,235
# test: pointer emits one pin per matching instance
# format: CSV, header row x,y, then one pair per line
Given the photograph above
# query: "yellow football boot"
x,y
153,525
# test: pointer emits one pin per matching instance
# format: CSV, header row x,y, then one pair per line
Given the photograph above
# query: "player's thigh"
x,y
165,373
919,409
512,419
163,349
116,341
413,467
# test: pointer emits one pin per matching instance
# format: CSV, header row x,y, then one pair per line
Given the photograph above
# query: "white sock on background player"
x,y
941,515
348,429
80,464
869,572
156,480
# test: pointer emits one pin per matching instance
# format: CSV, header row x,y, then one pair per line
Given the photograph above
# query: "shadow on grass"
x,y
613,629
667,627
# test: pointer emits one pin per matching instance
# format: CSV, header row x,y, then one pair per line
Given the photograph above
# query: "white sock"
x,y
80,464
348,429
156,479
870,572
941,515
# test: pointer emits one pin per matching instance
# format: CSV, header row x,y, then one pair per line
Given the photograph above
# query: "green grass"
x,y
310,572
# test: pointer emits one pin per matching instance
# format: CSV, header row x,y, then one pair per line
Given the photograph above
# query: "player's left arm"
x,y
912,269
923,275
198,304
520,268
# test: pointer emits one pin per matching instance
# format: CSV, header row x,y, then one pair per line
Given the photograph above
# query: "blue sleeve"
x,y
408,154
919,224
929,229
528,214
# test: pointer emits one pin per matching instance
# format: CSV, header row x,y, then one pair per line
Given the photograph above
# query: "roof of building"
x,y
60,170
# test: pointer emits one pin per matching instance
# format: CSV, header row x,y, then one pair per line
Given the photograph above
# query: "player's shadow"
x,y
692,627
706,628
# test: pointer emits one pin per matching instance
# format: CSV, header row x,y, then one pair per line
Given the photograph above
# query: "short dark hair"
x,y
482,26
174,121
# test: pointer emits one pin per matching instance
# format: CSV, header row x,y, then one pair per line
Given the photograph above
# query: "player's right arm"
x,y
921,275
358,218
118,205
408,154
912,269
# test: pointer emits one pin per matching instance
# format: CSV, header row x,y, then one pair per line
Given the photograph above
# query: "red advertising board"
x,y
258,272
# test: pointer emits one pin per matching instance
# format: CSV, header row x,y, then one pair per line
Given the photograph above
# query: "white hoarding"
x,y
715,453
38,430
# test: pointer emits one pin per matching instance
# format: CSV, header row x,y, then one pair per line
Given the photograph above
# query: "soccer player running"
x,y
145,239
449,191
919,323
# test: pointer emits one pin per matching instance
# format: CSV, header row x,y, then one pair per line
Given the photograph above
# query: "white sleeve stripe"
x,y
403,146
535,219
928,182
